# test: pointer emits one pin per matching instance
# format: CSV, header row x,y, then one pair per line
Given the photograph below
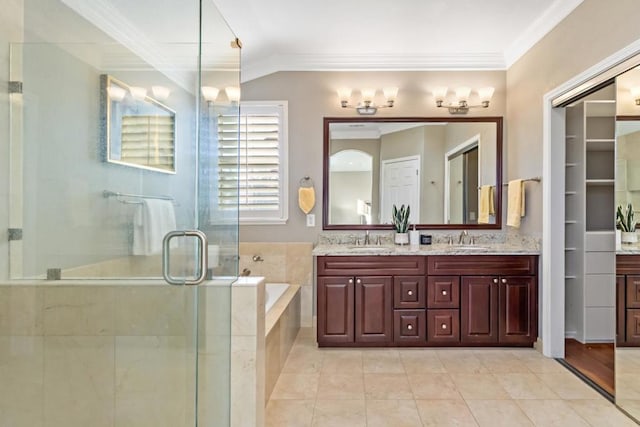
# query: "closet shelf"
x,y
570,249
570,277
600,181
571,221
570,193
570,165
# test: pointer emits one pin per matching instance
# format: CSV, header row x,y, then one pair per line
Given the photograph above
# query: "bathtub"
x,y
272,293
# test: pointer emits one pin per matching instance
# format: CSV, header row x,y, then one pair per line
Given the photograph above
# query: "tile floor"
x,y
431,387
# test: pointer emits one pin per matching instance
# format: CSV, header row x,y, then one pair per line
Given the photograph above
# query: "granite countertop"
x,y
484,244
629,249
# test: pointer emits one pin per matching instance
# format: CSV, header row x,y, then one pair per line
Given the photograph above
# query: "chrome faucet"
x,y
366,237
463,233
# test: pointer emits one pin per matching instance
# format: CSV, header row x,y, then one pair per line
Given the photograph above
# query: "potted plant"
x,y
400,219
626,224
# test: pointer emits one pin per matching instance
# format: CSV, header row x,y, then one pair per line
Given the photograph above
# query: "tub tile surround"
x,y
118,354
290,262
282,326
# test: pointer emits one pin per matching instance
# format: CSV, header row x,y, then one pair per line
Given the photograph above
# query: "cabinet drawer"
x,y
443,292
409,292
633,291
371,265
409,327
482,264
628,264
443,326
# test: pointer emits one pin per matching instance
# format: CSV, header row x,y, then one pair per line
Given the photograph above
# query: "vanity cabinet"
x,y
498,303
363,289
628,300
441,300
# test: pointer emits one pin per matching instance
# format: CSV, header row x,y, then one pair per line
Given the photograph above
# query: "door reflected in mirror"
x,y
435,165
137,130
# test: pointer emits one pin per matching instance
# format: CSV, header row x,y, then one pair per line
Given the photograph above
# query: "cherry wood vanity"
x,y
434,300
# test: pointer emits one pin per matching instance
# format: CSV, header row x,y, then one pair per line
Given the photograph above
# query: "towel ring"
x,y
306,182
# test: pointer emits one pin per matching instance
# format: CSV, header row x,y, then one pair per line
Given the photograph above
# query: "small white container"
x,y
414,238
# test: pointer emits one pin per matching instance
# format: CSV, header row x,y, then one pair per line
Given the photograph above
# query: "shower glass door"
x,y
112,145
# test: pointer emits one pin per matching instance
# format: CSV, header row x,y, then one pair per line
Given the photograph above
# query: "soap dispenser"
x,y
414,238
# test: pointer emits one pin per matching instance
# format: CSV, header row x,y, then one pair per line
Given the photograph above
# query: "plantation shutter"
x,y
251,174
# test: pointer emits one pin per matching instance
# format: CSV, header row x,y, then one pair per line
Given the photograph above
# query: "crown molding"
x,y
372,62
559,10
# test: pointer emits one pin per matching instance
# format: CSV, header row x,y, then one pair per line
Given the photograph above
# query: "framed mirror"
x,y
137,130
437,166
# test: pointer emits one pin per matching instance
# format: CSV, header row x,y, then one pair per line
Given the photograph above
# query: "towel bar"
x,y
119,197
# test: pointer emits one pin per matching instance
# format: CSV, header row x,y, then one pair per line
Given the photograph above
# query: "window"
x,y
254,175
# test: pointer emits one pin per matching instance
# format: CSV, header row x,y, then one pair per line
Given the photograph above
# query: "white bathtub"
x,y
273,292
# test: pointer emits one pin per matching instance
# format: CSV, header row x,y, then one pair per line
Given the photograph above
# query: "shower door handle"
x,y
202,257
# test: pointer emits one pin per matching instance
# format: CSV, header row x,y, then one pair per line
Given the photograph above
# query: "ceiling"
x,y
294,35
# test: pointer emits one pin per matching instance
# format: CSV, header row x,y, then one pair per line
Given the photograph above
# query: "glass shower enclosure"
x,y
108,145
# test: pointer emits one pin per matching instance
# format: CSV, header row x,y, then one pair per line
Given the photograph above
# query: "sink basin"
x,y
368,249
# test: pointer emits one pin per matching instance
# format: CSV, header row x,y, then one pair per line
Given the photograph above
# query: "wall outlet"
x,y
311,220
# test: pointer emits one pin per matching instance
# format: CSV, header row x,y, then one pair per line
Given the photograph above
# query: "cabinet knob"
x,y
444,292
358,281
410,327
443,326
350,280
409,293
495,280
504,280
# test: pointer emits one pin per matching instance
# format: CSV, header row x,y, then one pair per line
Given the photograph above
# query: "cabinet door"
x,y
517,310
374,309
479,309
621,310
633,291
633,327
335,310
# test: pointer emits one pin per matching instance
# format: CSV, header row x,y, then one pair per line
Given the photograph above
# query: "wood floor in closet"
x,y
595,361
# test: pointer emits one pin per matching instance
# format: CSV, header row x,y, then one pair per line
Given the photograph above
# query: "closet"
x,y
590,229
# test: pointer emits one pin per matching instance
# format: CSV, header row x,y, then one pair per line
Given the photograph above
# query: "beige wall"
x,y
312,96
595,30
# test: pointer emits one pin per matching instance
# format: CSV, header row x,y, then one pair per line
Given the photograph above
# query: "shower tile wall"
x,y
95,355
289,262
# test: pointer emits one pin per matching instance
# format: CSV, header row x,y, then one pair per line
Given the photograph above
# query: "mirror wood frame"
x,y
325,174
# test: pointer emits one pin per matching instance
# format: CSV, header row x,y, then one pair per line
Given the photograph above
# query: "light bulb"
x,y
160,93
116,93
138,93
485,94
233,93
462,93
390,93
440,93
209,93
368,94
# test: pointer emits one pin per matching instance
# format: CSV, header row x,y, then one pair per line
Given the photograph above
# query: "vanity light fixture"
x,y
462,96
233,93
366,106
635,92
116,93
138,93
209,93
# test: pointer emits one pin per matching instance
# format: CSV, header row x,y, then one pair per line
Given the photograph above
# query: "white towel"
x,y
152,221
515,201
